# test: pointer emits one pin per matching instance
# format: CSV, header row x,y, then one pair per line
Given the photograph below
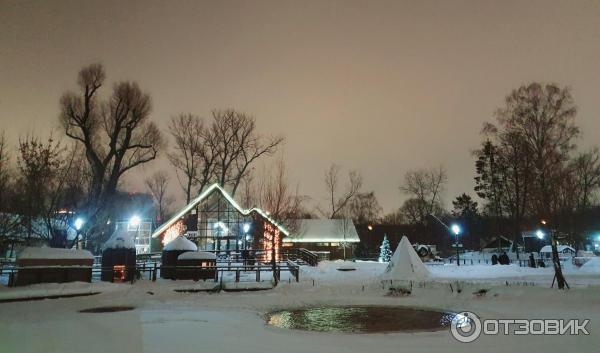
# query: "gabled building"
x,y
217,223
328,238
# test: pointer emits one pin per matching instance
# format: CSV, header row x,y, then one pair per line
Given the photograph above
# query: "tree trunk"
x,y
560,279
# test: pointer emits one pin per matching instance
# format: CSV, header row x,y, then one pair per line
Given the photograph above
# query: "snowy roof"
x,y
180,243
54,253
324,230
120,239
197,255
204,195
560,248
405,264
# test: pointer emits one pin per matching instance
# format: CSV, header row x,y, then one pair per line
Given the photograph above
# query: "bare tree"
x,y
116,133
541,119
424,188
238,145
44,172
9,222
194,154
393,218
339,201
586,169
275,195
157,185
364,208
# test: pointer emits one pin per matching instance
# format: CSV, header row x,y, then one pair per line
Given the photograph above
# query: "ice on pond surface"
x,y
361,319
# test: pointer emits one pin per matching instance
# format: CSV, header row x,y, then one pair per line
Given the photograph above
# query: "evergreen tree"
x,y
385,253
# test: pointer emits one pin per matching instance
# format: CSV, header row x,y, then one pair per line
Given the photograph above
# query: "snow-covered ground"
x,y
169,321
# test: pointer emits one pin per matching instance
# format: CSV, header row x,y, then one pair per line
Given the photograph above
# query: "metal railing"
x,y
300,255
151,271
520,262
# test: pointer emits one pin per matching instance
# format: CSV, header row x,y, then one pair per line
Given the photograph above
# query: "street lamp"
x,y
540,234
455,228
135,220
78,224
246,237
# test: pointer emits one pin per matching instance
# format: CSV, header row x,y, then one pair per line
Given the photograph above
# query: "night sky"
x,y
378,86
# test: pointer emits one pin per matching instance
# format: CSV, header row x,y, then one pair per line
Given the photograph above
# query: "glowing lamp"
x,y
540,234
135,220
79,223
455,228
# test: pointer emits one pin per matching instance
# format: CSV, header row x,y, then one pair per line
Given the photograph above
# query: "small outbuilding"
x,y
196,265
171,252
564,252
118,258
53,265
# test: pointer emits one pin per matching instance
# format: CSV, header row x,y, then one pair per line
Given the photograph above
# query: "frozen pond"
x,y
361,319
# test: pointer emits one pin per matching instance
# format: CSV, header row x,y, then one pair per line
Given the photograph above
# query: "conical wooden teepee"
x,y
406,264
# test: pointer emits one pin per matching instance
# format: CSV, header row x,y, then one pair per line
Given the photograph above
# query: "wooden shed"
x,y
170,252
53,265
118,258
196,265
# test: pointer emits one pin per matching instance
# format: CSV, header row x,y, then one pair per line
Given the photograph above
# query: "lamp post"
x,y
558,275
78,224
246,229
135,221
455,228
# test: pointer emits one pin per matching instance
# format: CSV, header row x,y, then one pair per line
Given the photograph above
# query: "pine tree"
x,y
385,253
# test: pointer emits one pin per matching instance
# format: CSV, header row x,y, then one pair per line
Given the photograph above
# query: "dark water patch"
x,y
361,319
107,309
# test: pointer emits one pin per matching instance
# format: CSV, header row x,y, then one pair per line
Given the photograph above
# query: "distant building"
x,y
564,252
140,230
328,238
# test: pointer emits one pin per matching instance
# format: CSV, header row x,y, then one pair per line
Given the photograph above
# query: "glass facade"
x,y
216,225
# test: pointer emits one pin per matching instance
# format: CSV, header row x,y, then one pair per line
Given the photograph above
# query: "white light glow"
x,y
135,220
246,227
79,223
540,234
222,226
455,229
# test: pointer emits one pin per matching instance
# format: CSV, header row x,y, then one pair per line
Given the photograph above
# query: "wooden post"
x,y
154,273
